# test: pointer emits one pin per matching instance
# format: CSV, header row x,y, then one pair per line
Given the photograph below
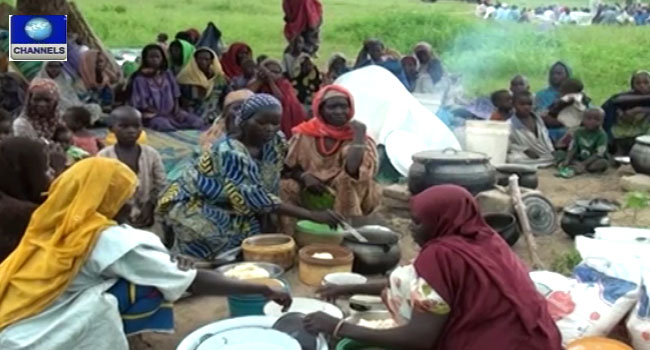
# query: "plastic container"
x,y
251,305
309,232
488,137
312,270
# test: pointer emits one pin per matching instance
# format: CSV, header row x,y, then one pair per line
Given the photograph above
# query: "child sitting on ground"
x,y
126,124
502,101
77,119
588,149
64,138
529,140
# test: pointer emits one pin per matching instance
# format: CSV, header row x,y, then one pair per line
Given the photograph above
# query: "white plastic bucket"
x,y
488,137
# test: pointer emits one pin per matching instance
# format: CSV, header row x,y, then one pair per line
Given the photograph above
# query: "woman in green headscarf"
x,y
180,54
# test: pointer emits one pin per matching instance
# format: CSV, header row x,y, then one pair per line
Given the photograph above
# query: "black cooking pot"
x,y
527,175
505,225
470,170
377,256
640,155
576,221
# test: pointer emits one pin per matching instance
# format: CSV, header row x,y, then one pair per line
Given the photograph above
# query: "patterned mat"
x,y
176,148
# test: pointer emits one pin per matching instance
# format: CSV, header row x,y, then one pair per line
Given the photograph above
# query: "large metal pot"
x,y
578,220
640,155
377,256
527,175
470,170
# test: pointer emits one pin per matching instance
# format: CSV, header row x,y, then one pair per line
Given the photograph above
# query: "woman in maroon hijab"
x,y
466,289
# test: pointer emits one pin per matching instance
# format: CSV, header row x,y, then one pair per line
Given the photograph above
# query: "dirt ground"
x,y
194,312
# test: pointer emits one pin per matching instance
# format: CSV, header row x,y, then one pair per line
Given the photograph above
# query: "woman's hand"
x,y
359,128
328,217
184,263
320,322
332,292
280,296
312,183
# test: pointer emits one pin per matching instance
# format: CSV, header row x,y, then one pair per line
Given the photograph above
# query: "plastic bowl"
x,y
349,344
309,232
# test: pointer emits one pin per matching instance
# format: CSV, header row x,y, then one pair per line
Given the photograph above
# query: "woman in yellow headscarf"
x,y
202,84
60,287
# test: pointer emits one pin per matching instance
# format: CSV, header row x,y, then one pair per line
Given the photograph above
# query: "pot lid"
x,y
450,155
315,228
541,214
579,210
516,169
645,140
598,205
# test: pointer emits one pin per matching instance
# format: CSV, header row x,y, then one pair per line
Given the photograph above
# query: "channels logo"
x,y
38,38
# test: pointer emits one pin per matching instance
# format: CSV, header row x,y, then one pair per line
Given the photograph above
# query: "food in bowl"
x,y
324,256
247,272
377,324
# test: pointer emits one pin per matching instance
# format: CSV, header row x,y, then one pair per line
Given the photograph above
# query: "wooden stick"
x,y
520,209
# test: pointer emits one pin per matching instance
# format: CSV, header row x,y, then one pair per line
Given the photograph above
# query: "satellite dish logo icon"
x,y
38,28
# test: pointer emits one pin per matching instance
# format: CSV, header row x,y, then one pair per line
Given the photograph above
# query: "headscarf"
x,y
44,126
88,70
470,267
211,37
318,127
220,124
255,104
545,98
192,74
301,15
61,234
293,113
187,52
231,67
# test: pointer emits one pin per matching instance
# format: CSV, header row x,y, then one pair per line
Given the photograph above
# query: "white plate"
x,y
193,340
245,338
253,346
305,306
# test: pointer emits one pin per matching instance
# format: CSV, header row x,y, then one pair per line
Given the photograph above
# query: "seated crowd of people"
x,y
598,13
559,124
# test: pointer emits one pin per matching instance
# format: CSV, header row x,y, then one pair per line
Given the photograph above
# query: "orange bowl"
x,y
597,343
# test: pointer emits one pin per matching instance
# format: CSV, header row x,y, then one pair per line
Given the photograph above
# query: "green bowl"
x,y
349,344
309,232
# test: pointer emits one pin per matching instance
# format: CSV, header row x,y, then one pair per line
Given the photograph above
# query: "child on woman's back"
x,y
588,150
126,123
569,108
77,119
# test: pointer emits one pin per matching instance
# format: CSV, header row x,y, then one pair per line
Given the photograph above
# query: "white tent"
x,y
394,117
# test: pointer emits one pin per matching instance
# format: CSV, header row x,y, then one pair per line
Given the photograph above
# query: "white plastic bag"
x,y
604,288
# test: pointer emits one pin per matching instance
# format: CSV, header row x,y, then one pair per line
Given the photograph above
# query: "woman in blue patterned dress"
x,y
221,200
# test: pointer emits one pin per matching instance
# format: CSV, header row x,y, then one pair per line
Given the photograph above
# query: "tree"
x,y
41,7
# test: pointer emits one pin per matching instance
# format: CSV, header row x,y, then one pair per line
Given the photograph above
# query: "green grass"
x,y
487,54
